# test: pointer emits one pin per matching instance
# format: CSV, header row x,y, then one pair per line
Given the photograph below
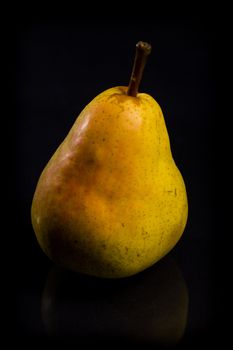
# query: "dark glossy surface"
x,y
151,307
171,304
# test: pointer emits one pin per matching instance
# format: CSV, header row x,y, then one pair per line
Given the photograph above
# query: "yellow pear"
x,y
111,202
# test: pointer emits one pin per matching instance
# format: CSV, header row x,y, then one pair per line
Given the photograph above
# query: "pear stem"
x,y
143,49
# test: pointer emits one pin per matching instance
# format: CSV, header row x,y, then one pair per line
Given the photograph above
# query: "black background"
x,y
59,64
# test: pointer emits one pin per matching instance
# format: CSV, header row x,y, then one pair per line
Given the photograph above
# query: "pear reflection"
x,y
149,307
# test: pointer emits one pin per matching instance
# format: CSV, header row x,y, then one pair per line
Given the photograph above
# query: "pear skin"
x,y
111,201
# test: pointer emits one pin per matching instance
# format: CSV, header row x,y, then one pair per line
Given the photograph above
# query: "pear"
x,y
111,201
